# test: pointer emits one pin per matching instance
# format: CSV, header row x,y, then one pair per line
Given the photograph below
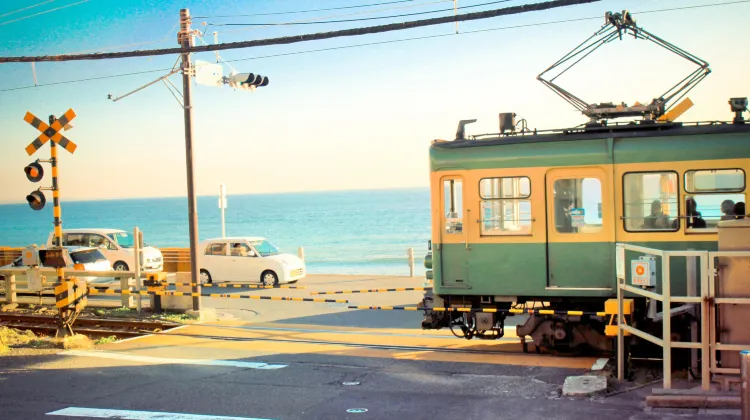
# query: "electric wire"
x,y
411,6
85,80
358,19
307,11
44,12
168,37
390,27
379,43
25,8
393,41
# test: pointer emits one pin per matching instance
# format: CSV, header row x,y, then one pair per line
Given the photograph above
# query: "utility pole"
x,y
186,41
455,12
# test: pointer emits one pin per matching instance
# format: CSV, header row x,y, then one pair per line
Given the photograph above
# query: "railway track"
x,y
92,327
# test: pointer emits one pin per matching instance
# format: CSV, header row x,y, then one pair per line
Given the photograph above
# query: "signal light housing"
x,y
34,172
36,200
247,81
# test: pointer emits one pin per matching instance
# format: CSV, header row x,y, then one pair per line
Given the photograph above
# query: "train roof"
x,y
624,143
618,131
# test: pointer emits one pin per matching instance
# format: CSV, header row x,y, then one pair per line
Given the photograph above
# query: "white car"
x,y
247,260
80,258
115,244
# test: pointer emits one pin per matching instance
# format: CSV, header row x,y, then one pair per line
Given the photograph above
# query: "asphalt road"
x,y
297,360
310,387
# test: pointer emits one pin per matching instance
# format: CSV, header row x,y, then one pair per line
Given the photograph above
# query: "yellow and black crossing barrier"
x,y
238,286
213,295
398,289
484,310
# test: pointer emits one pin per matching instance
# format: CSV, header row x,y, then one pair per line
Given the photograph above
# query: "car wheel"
x,y
269,278
120,266
205,277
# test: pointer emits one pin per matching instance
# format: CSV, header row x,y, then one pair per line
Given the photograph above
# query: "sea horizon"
x,y
357,231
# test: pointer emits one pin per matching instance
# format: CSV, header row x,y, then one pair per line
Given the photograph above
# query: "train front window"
x,y
453,205
651,202
506,207
577,205
715,195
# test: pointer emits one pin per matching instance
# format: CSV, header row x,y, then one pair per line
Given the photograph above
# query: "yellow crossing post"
x,y
70,293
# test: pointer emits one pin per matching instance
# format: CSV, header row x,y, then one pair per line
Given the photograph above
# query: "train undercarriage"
x,y
567,328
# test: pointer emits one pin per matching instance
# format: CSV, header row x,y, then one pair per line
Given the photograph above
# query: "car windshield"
x,y
265,248
87,256
123,239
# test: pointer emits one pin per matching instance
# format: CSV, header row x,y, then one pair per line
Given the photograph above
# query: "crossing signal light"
x,y
36,200
247,81
34,172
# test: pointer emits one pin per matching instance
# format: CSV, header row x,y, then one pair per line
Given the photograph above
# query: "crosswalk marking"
x,y
164,360
103,413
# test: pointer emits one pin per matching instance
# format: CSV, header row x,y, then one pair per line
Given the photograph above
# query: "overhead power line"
x,y
358,19
25,8
44,12
306,11
386,42
363,12
308,37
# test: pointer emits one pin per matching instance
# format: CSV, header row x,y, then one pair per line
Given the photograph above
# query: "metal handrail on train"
x,y
707,300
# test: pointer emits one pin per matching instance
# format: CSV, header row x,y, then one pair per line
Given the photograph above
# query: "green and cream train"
x,y
523,217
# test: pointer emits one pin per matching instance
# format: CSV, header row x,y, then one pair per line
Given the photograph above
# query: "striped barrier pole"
x,y
477,310
239,286
398,289
213,295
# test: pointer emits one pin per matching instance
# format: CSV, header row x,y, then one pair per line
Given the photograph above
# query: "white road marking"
x,y
599,364
138,415
149,359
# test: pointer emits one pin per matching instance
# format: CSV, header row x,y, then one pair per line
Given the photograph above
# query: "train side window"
x,y
576,205
453,205
715,195
506,207
651,202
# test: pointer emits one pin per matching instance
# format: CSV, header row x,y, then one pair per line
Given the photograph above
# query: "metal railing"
x,y
666,298
16,281
706,299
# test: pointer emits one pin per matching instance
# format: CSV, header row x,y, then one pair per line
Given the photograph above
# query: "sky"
x,y
346,118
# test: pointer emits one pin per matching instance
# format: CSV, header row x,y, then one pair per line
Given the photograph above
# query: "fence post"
x,y
745,387
410,253
692,290
620,334
301,253
10,289
127,300
137,268
666,293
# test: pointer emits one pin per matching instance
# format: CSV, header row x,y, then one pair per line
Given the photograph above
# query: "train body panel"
x,y
512,232
536,218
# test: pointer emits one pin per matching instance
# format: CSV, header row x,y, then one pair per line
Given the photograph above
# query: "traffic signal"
x,y
247,81
36,200
34,171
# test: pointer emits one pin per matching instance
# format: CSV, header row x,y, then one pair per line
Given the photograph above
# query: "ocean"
x,y
342,232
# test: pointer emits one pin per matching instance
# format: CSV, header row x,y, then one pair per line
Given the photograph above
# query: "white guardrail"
x,y
16,281
702,293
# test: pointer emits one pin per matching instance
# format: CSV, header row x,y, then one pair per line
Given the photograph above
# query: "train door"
x,y
454,249
580,228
